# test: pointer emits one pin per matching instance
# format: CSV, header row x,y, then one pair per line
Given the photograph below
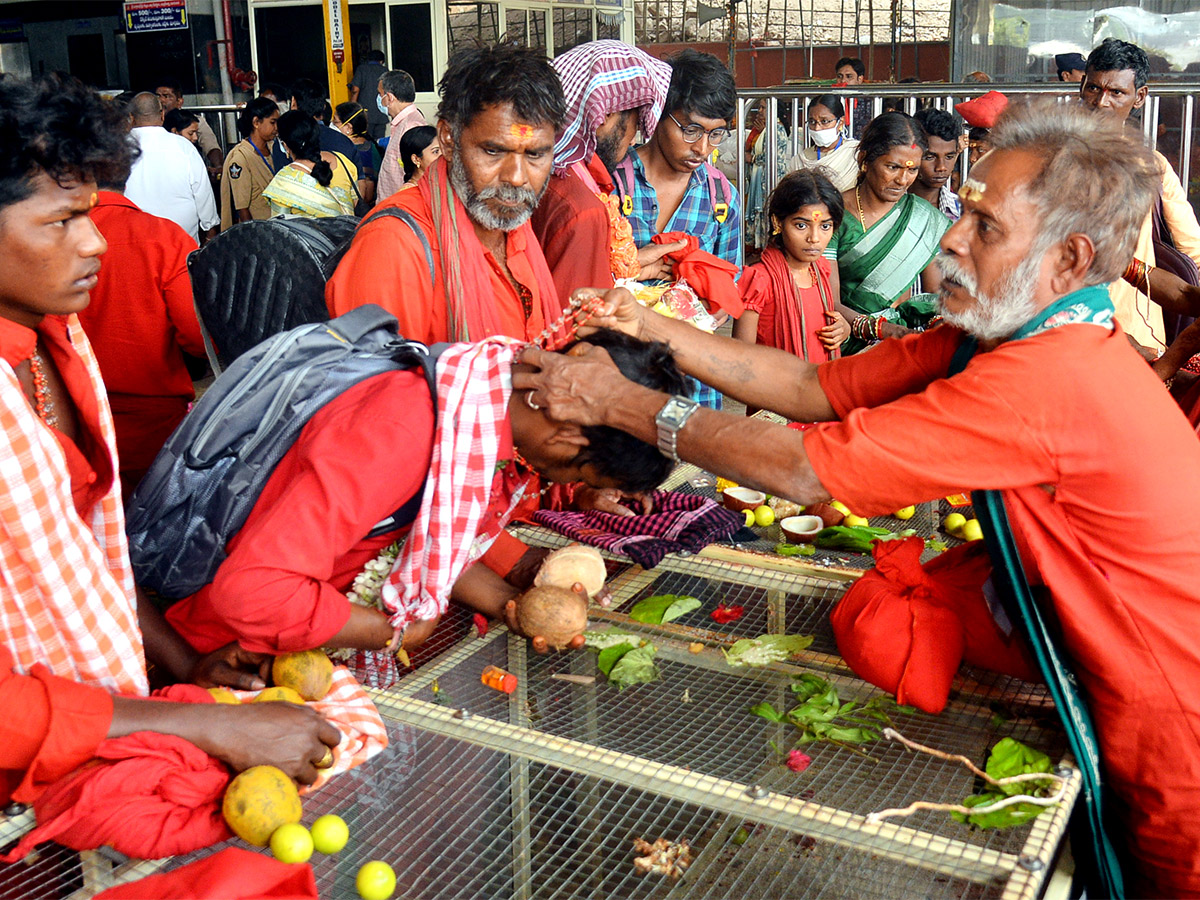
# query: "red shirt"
x,y
571,224
140,322
1097,468
283,585
386,265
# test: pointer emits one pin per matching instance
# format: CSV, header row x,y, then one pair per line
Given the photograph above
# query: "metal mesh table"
x,y
541,793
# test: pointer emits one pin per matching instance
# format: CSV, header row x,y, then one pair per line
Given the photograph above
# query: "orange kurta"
x,y
1098,471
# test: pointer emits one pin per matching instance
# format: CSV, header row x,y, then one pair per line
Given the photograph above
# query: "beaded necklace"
x,y
42,402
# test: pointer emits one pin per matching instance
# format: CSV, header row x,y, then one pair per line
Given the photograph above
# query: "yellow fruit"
x,y
723,483
907,513
953,523
292,843
853,521
330,834
764,516
375,881
309,673
258,801
840,507
971,531
224,695
749,514
278,693
696,647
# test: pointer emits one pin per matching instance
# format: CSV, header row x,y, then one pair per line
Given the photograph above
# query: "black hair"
x,y
892,129
375,56
302,135
59,126
176,120
853,62
831,102
258,108
326,113
632,463
274,88
123,100
478,77
804,187
701,85
1116,56
978,133
413,143
174,84
309,97
939,124
400,84
352,114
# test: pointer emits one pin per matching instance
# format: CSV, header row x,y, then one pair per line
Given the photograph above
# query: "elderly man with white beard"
x,y
1030,396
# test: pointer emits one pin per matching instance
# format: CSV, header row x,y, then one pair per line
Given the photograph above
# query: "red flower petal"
x,y
481,623
724,614
798,761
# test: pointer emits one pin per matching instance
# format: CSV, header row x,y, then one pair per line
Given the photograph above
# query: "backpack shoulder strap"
x,y
623,181
720,202
406,217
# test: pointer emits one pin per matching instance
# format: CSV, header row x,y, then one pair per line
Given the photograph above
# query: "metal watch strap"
x,y
670,420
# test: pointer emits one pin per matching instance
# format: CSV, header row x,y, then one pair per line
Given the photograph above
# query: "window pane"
x,y
572,27
412,43
291,43
472,22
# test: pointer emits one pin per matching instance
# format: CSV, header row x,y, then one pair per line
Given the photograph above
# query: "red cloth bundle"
x,y
232,874
712,278
906,627
146,795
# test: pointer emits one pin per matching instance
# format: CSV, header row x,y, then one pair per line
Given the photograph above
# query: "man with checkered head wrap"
x,y
612,90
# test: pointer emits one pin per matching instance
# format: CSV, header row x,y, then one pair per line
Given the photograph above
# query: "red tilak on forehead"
x,y
914,146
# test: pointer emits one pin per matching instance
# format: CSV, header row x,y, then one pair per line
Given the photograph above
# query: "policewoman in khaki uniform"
x,y
247,170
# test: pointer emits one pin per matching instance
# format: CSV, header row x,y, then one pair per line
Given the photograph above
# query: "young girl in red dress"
x,y
790,303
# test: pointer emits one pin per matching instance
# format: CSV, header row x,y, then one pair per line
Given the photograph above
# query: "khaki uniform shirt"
x,y
244,177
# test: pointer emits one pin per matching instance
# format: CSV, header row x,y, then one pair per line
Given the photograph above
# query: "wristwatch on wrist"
x,y
670,420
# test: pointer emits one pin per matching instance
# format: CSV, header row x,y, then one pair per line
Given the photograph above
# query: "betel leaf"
x,y
609,657
1008,758
662,608
635,667
768,648
767,711
1017,814
599,640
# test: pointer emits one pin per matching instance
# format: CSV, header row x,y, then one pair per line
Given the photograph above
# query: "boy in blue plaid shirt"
x,y
668,183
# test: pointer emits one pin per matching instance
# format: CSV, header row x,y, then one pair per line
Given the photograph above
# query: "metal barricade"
x,y
222,118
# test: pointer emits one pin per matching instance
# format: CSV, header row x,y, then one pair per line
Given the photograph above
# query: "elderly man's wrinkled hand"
x,y
291,737
617,310
573,387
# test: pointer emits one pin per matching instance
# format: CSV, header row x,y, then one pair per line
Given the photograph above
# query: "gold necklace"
x,y
858,202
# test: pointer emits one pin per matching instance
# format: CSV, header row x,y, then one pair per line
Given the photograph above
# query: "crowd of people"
x,y
1004,333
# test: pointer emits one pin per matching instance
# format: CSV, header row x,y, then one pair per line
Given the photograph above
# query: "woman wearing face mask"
x,y
831,150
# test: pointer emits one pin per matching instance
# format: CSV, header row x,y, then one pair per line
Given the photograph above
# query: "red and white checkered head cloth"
x,y
603,77
66,586
474,383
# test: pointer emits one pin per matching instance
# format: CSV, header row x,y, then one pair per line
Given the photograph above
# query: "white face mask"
x,y
826,137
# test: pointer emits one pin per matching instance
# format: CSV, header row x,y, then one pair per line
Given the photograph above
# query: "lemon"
x,y
330,834
905,514
764,516
375,881
291,843
749,514
279,693
853,521
840,507
972,531
953,523
223,695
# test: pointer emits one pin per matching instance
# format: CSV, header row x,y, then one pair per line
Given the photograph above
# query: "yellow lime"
x,y
840,507
971,531
853,521
375,881
749,514
764,516
723,483
330,834
953,523
224,695
907,513
291,843
279,693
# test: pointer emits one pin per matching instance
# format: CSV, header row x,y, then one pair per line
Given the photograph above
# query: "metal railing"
x,y
944,96
222,118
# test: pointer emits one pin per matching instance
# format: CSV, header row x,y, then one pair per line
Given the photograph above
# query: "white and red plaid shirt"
x,y
66,587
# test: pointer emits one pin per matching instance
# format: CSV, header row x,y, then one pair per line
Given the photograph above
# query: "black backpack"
x,y
206,479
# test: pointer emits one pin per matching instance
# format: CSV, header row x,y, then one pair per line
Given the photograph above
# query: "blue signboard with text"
x,y
155,15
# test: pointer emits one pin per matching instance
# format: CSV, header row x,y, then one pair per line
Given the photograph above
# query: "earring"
x,y
775,228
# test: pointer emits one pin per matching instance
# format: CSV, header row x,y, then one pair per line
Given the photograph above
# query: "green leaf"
x,y
600,640
787,549
635,667
767,711
662,608
1010,758
609,657
766,649
1018,814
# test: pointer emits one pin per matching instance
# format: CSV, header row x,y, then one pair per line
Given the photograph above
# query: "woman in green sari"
x,y
887,241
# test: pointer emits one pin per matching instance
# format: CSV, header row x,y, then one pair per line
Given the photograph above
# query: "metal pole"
x,y
1185,157
770,162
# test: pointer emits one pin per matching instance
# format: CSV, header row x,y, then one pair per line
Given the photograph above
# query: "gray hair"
x,y
1098,178
399,84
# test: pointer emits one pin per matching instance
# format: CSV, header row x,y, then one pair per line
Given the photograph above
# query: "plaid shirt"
x,y
694,216
66,586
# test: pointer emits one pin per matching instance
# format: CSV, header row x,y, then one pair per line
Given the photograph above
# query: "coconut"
x,y
555,613
801,529
740,498
829,515
571,565
784,508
